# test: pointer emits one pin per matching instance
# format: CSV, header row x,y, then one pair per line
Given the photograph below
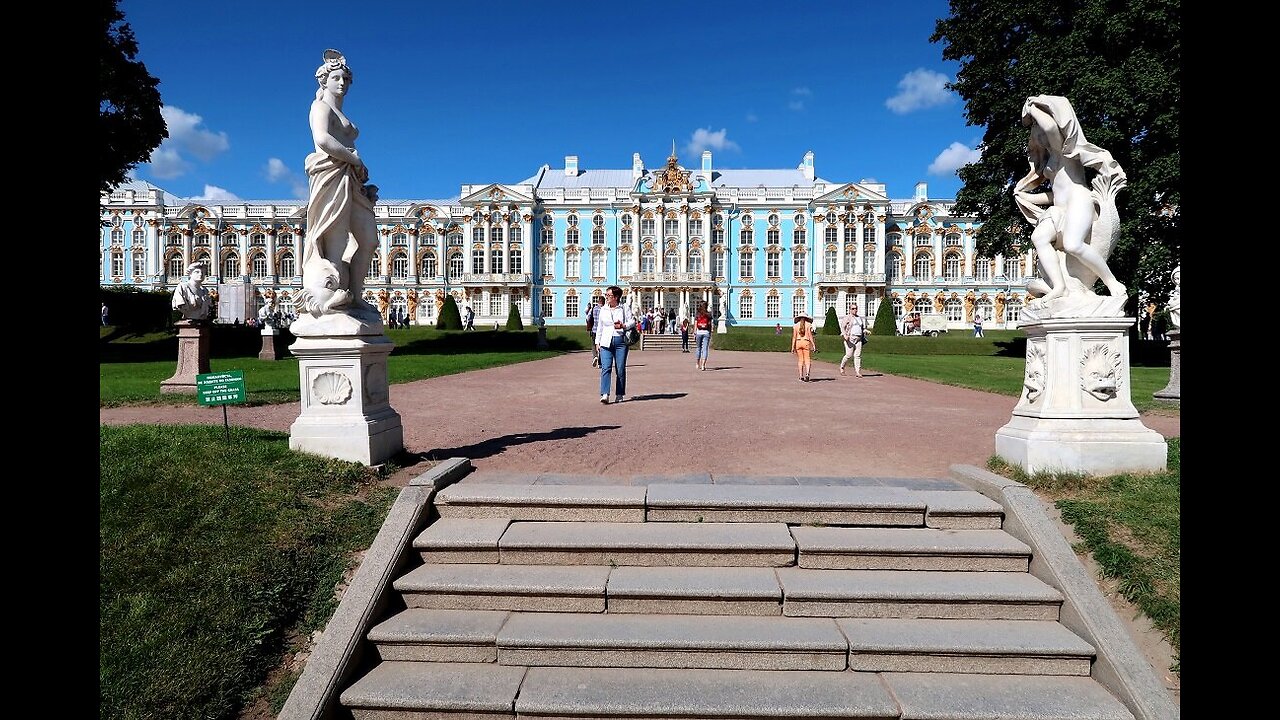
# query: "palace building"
x,y
761,244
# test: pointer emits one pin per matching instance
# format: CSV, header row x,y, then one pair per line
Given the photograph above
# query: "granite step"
x,y
865,506
422,635
461,540
650,544
402,690
840,548
960,510
917,594
998,647
672,641
937,696
580,503
553,693
505,587
696,590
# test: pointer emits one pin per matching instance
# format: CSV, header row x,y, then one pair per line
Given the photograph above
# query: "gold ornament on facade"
x,y
940,303
999,307
909,303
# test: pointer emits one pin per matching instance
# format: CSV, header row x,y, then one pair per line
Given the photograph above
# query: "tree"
x,y
450,318
1120,65
832,324
513,319
885,324
130,125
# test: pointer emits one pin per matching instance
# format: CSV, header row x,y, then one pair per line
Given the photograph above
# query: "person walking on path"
x,y
593,319
702,336
615,320
469,319
853,328
104,314
684,334
977,324
803,343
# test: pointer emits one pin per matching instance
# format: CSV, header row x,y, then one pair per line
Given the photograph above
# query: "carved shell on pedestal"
x,y
331,388
1100,371
1034,379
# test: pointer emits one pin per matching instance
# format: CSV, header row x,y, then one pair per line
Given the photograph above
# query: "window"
x,y
695,228
798,304
517,234
375,266
258,240
455,239
898,309
797,236
230,240
287,266
117,221
831,261
572,268
746,307
923,264
850,233
954,310
695,261
571,306
799,264
924,240
455,266
1013,310
625,259
495,304
139,237
285,240
496,259
951,267
850,259
429,269
400,266
203,240
744,266
573,221
517,259
717,265
231,266
548,235
773,219
258,265
745,237
717,236
851,300
1013,268
626,236
951,240
477,234
139,266
547,308
773,264
626,219
772,306
646,226
924,305
829,235
597,236
203,259
477,260
984,309
597,265
895,239
895,267
647,261
671,227
771,236
829,300
982,269
476,217
671,261
869,258
117,237
571,236
495,235
175,266
868,233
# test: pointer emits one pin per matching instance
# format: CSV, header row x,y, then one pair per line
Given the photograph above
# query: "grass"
x,y
1132,526
213,555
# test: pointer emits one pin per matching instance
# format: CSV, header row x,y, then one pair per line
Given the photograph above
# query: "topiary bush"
x,y
450,318
885,324
832,325
513,319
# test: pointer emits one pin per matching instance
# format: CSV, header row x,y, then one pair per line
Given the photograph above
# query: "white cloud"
x,y
798,96
920,89
278,172
186,137
953,158
215,194
704,138
752,117
802,91
796,104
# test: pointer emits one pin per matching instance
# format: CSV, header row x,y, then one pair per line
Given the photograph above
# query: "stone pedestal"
x,y
346,413
542,338
193,356
722,327
1172,391
268,351
1076,412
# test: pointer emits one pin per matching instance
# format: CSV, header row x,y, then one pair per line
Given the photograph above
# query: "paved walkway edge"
x,y
338,652
1120,665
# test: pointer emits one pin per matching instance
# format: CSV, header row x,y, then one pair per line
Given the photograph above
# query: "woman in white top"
x,y
615,320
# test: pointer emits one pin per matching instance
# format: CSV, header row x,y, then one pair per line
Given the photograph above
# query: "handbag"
x,y
631,337
864,338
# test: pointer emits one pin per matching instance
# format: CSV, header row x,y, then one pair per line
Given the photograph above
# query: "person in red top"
x,y
702,335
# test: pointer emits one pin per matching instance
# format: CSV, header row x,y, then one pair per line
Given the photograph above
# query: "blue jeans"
x,y
613,356
704,346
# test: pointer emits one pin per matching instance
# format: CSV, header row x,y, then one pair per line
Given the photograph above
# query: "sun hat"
x,y
805,316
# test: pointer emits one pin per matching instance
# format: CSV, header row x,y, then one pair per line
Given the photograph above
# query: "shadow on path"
x,y
656,396
493,446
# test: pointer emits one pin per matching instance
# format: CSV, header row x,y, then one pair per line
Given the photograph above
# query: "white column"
x,y
526,249
860,262
840,246
152,248
272,269
935,241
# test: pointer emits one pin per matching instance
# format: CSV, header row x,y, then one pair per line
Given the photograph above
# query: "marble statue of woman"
x,y
1075,220
341,231
191,297
1175,299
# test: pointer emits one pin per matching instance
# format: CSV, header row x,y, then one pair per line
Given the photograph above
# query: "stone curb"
x,y
340,648
1120,666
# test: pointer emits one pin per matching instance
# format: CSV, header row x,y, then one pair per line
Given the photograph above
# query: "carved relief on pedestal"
x,y
1100,371
331,388
1034,379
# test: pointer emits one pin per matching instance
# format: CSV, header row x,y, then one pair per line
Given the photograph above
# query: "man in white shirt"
x,y
852,328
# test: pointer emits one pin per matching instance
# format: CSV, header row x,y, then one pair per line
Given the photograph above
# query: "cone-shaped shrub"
x,y
832,325
885,324
513,319
450,318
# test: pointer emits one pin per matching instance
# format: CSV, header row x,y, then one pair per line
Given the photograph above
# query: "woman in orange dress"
x,y
803,344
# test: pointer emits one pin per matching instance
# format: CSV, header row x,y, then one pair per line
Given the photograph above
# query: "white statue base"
x,y
722,327
1076,413
1173,391
193,357
346,413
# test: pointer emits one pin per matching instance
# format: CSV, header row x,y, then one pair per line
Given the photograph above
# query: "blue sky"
x,y
446,93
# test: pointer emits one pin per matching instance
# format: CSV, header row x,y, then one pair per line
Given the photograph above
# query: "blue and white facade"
x,y
770,242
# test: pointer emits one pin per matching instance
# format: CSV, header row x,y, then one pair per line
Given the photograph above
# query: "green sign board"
x,y
220,388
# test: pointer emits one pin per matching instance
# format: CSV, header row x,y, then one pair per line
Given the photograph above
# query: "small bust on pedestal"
x,y
191,297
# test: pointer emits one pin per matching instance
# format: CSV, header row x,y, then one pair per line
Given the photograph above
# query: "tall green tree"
x,y
130,125
1120,65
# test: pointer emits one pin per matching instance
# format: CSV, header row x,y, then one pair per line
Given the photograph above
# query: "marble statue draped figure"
x,y
1074,219
191,297
341,230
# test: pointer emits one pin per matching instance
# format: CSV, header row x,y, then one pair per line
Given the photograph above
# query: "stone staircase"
x,y
847,597
656,341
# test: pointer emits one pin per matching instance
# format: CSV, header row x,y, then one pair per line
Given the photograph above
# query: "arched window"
x,y
671,261
231,266
695,261
1013,269
176,267
572,266
951,240
648,262
951,267
894,267
773,264
375,266
517,258
257,240
258,265
455,266
982,269
773,306
984,309
954,310
799,264
898,310
923,267
746,306
1013,310
924,305
287,267
745,265
400,266
429,266
831,261
203,259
